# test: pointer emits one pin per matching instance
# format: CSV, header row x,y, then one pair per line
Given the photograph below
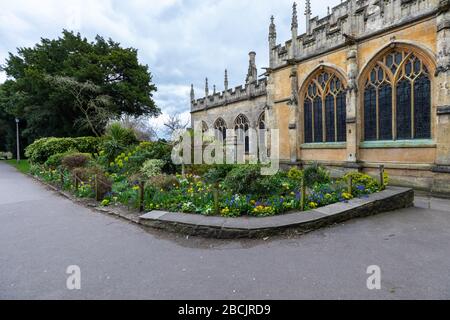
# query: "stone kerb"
x,y
393,198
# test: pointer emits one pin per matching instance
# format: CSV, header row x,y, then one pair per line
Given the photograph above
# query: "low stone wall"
x,y
393,198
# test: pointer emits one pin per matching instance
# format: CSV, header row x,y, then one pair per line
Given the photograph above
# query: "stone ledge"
x,y
246,227
393,198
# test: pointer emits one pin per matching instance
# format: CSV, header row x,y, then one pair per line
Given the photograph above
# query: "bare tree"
x,y
141,126
175,124
88,99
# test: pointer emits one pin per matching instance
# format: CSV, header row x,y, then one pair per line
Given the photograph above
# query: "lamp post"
x,y
18,142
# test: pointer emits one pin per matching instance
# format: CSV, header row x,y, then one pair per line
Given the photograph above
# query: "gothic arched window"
x,y
262,121
325,109
262,134
221,129
397,98
241,126
205,127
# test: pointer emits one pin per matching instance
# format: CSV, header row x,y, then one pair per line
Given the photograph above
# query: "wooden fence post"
x,y
303,195
62,180
76,182
216,199
381,177
141,196
350,185
97,197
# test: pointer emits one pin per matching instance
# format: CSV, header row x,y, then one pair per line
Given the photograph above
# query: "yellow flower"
x,y
313,205
225,211
347,196
136,188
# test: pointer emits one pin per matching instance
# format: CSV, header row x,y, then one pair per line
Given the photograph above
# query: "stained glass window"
x,y
324,109
263,145
397,98
221,129
242,125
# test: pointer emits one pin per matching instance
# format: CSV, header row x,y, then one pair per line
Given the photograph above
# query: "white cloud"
x,y
182,41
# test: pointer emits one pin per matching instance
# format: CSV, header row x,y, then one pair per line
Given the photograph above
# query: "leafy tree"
x,y
118,86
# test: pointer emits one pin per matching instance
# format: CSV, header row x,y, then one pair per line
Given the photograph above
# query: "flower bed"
x,y
142,176
191,194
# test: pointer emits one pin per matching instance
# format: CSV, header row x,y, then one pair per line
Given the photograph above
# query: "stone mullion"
x,y
352,107
413,124
441,90
324,129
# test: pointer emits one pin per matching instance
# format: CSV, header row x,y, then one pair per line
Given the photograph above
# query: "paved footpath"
x,y
41,234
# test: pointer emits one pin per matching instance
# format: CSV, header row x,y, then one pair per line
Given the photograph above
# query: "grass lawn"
x,y
23,166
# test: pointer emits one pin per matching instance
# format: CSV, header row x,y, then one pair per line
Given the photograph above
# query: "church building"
x,y
366,85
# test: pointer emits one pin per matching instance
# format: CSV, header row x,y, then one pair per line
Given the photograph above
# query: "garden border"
x,y
393,198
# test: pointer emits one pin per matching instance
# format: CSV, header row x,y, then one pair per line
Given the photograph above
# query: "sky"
x,y
182,41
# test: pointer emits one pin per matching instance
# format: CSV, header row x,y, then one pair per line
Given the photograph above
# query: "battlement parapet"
x,y
354,18
240,93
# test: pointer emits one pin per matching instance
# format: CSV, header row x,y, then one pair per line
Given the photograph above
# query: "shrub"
x,y
75,160
163,182
132,160
276,184
89,145
316,174
153,150
55,160
243,179
117,139
215,174
295,174
362,184
152,167
6,155
87,176
41,150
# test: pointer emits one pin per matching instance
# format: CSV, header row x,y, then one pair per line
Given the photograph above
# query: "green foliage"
x,y
163,182
215,174
130,161
92,178
295,174
41,150
242,179
278,183
55,160
46,110
362,184
152,168
89,145
316,174
117,139
23,166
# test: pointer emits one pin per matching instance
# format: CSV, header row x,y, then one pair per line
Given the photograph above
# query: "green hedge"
x,y
41,150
